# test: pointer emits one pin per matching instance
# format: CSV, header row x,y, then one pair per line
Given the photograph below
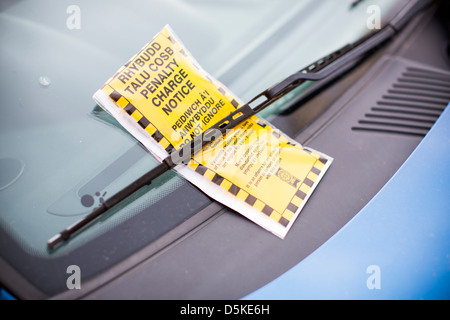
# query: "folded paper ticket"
x,y
165,99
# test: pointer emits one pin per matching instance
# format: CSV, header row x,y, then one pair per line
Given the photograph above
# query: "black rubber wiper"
x,y
328,66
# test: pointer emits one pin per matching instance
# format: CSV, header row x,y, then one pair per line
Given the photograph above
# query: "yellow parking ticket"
x,y
265,170
165,99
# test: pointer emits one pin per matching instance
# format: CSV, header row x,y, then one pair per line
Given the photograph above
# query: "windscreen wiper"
x,y
331,65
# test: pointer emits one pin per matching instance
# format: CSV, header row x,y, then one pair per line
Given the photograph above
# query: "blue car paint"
x,y
396,247
4,295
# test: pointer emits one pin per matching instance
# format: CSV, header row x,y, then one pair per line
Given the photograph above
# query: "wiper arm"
x,y
321,69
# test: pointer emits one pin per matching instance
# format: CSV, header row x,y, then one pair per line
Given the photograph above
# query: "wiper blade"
x,y
323,68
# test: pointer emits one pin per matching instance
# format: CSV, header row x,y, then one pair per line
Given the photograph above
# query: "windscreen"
x,y
61,155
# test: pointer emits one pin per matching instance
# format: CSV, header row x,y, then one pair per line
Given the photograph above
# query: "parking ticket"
x,y
164,98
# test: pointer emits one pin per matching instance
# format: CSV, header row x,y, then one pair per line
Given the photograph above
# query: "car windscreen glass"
x,y
61,155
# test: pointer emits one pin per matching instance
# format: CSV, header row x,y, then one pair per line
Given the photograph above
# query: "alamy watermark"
x,y
373,282
74,280
373,21
259,146
73,21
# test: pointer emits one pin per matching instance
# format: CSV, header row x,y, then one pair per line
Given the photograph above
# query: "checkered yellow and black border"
x,y
283,218
143,122
304,188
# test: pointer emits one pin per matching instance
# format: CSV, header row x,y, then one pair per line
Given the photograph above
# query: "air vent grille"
x,y
411,106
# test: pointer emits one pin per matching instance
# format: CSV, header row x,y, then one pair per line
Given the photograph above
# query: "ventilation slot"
x,y
411,106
